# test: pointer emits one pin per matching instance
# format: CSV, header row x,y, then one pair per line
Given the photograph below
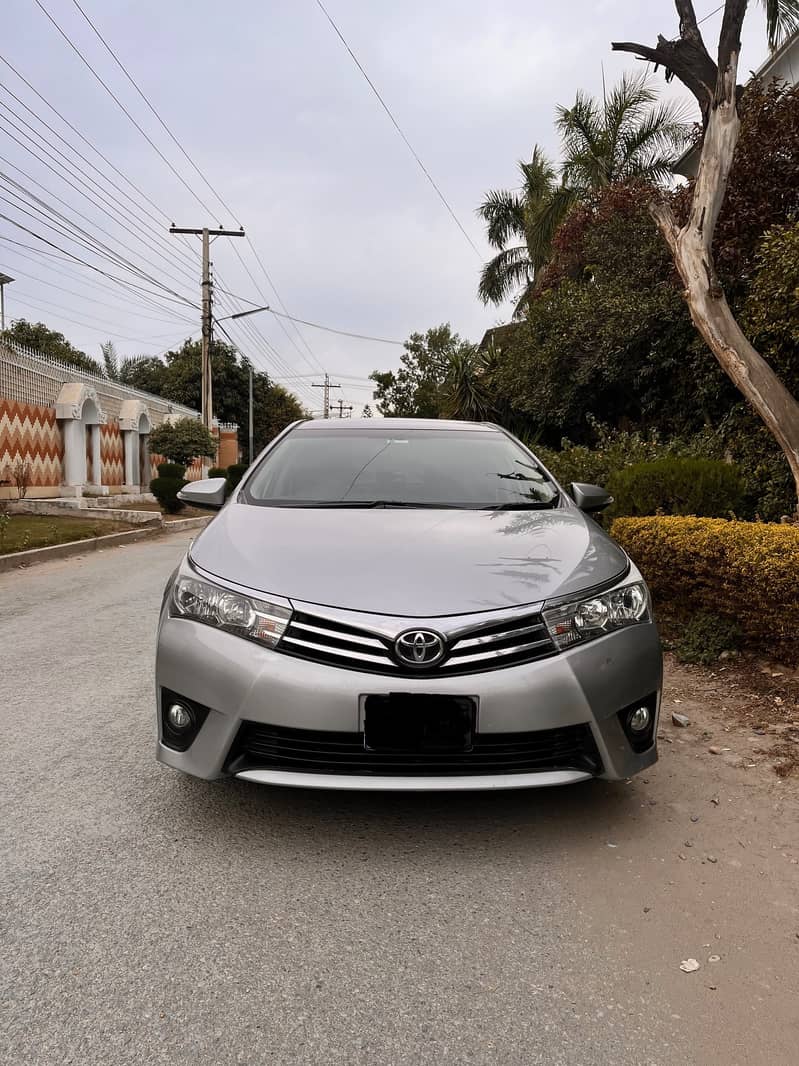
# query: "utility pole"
x,y
342,407
206,287
327,386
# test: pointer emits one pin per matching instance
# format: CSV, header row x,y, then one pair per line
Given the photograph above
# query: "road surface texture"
x,y
149,918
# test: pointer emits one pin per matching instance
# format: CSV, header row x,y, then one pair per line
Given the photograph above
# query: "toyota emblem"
x,y
419,648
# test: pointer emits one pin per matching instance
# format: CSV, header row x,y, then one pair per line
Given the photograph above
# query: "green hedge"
x,y
746,572
167,485
707,488
235,472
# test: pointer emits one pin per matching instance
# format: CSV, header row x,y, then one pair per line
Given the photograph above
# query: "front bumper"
x,y
242,682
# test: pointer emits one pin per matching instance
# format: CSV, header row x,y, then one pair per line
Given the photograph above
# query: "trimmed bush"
x,y
707,488
746,572
173,470
235,472
217,471
167,485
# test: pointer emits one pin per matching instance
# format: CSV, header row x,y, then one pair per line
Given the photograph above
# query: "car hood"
x,y
414,563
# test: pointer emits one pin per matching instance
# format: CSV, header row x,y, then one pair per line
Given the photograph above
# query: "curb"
x,y
34,556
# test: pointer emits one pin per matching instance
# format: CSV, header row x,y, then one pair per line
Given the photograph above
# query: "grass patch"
x,y
20,532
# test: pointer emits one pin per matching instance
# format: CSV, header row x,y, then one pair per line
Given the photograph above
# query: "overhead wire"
x,y
397,127
194,166
116,99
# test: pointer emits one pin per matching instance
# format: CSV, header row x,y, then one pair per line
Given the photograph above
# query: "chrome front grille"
x,y
469,650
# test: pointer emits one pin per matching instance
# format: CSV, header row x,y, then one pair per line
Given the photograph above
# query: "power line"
x,y
77,322
83,262
76,131
398,128
172,136
141,297
340,332
175,140
116,99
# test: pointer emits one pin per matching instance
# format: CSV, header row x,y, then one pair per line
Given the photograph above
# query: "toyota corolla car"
x,y
405,604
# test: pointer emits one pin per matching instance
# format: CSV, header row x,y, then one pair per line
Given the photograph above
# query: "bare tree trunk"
x,y
691,244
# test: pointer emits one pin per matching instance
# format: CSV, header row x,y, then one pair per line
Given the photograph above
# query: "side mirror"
x,y
590,497
208,493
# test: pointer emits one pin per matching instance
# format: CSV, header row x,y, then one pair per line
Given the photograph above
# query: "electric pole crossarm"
x,y
327,385
210,232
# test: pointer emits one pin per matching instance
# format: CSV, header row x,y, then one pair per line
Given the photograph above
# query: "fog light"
x,y
639,719
179,717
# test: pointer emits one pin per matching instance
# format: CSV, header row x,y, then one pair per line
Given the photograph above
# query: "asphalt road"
x,y
151,918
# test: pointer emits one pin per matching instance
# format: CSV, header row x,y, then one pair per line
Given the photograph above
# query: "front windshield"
x,y
408,468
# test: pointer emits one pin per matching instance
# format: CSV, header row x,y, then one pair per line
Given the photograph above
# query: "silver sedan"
x,y
405,604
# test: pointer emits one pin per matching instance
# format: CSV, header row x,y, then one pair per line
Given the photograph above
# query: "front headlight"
x,y
257,620
584,620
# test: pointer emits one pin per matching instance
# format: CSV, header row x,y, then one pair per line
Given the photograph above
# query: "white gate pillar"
x,y
76,408
134,421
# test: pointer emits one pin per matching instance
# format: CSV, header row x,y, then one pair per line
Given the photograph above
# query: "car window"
x,y
399,468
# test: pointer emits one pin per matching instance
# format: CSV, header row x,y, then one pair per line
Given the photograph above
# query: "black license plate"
x,y
413,723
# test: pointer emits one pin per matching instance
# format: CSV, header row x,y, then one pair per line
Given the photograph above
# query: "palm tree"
x,y
624,137
521,224
465,392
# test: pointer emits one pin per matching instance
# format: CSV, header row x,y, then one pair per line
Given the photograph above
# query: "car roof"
x,y
380,424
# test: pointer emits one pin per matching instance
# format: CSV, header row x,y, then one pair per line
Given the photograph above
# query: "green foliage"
x,y
182,441
110,360
704,636
763,187
215,471
608,332
235,472
178,378
614,450
416,389
165,490
627,136
771,311
171,470
49,342
703,487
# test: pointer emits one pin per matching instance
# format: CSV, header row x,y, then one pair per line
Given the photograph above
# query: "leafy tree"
x,y
416,389
691,241
182,441
367,411
627,136
42,339
145,372
179,379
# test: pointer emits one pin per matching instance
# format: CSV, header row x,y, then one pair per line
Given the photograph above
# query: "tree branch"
x,y
686,59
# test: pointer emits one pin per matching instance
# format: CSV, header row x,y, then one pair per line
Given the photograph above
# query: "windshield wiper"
x,y
363,504
525,505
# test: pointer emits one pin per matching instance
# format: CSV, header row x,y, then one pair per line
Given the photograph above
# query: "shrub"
x,y
182,441
235,472
705,636
173,470
704,487
217,471
167,485
746,572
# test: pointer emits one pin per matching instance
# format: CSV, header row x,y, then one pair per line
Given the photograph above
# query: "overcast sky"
x,y
275,114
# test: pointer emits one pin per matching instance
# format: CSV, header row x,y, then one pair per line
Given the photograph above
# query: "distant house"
x,y
498,336
781,65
